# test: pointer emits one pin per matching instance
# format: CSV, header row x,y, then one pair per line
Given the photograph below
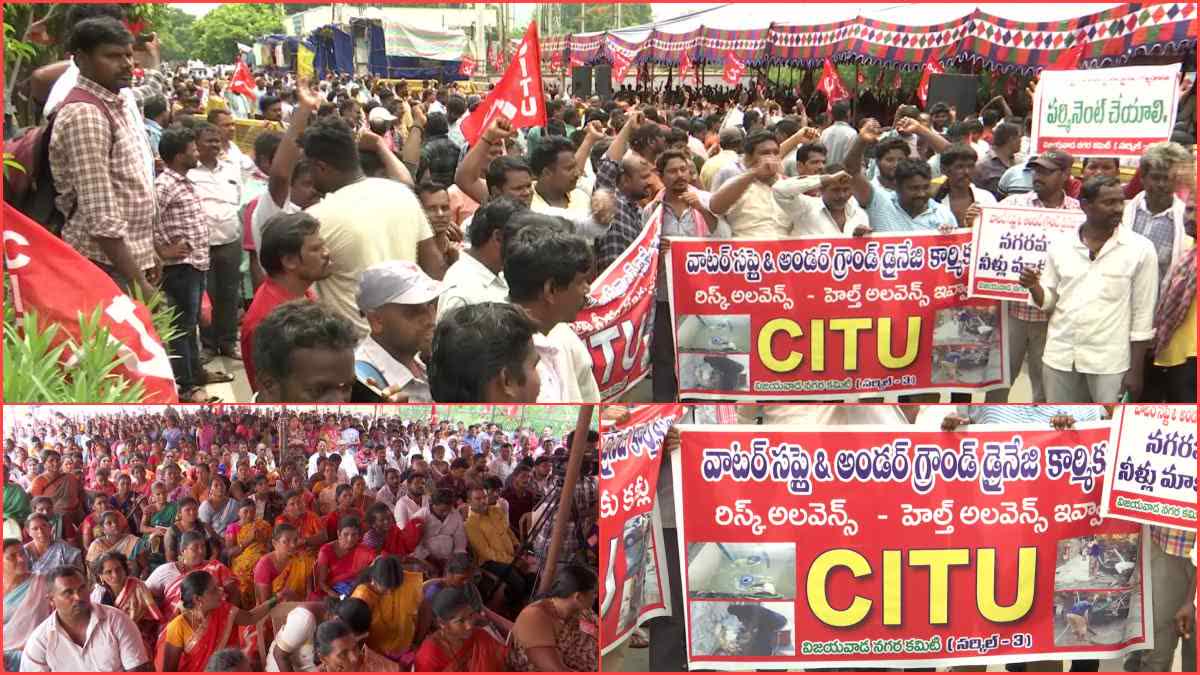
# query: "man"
x,y
439,154
435,202
548,273
81,637
304,354
1157,213
289,181
415,497
444,533
939,117
230,152
158,116
494,546
485,353
399,302
889,151
364,220
1027,325
839,136
909,208
504,175
629,177
1099,287
811,158
731,140
99,160
1006,143
831,214
272,109
503,464
1174,574
556,172
1175,325
219,186
962,199
746,200
294,257
477,275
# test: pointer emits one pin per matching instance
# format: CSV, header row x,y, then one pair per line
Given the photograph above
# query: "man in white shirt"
x,y
445,532
549,272
839,136
835,213
389,493
81,637
415,497
347,470
399,302
219,185
503,464
1100,286
477,275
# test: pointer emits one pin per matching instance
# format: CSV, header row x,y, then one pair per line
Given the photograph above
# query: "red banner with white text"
x,y
618,322
816,318
634,586
893,547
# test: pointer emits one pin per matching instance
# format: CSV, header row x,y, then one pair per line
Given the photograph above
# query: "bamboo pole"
x,y
566,496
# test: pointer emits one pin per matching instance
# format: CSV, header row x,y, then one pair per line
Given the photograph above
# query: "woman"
x,y
166,581
285,568
157,518
246,542
394,595
205,625
188,521
360,500
113,537
292,649
558,632
459,645
340,562
116,587
219,511
44,551
89,529
307,524
342,509
26,602
127,503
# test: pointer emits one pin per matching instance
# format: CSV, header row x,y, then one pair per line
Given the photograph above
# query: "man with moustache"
x,y
399,302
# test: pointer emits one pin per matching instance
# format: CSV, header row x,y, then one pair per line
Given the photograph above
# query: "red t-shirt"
x,y
268,296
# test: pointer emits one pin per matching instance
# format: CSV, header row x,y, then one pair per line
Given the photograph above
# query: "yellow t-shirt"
x,y
179,631
393,614
1182,345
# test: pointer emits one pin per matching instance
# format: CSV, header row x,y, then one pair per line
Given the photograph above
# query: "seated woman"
x,y
246,543
166,582
385,538
360,498
393,593
292,649
342,509
188,521
205,625
61,527
26,602
307,524
45,552
90,527
549,635
285,570
157,517
116,587
220,510
340,562
113,537
459,644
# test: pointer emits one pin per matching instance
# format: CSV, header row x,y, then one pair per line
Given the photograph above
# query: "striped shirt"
x,y
1159,228
888,216
181,217
1023,310
1029,414
1173,542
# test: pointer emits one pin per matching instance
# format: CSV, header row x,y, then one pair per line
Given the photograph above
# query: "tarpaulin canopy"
x,y
900,36
402,39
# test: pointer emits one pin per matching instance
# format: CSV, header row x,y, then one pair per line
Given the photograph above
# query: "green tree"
x,y
175,29
599,17
218,32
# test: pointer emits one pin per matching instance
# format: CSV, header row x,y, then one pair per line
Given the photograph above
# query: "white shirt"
x,y
348,469
565,367
809,214
385,496
441,538
470,282
1097,307
407,507
220,192
502,469
412,385
112,643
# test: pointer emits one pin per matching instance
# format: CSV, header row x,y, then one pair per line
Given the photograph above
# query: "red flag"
x,y
466,67
897,80
52,278
576,62
927,72
1069,59
831,85
242,82
517,96
620,67
685,64
732,74
556,60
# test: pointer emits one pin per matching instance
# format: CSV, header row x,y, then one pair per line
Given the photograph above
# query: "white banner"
x,y
1006,240
1151,475
405,40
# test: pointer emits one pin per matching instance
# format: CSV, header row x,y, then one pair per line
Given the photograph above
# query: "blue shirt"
x,y
154,133
886,215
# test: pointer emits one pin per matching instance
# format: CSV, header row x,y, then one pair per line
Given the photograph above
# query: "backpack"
x,y
32,191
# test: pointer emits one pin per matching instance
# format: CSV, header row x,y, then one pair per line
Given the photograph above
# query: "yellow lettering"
x,y
911,343
818,601
893,588
793,359
939,564
818,345
985,585
850,328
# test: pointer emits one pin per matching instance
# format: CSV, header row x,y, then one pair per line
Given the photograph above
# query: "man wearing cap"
x,y
381,122
1027,324
399,302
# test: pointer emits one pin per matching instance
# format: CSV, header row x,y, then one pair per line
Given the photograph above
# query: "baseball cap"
x,y
398,282
1055,160
380,114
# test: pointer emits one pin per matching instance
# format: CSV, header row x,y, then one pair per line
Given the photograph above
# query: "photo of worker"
x,y
1083,618
1102,561
714,371
714,333
758,571
743,629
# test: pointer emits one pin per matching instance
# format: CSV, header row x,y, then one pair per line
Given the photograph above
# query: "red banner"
x,y
927,72
635,587
1152,477
732,74
466,67
556,61
848,547
620,67
49,276
517,96
831,85
685,65
815,318
618,322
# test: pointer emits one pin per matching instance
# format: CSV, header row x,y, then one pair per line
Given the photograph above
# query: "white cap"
x,y
380,114
398,282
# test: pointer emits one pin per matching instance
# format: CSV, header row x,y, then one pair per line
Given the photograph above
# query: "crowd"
x,y
293,541
1172,552
390,260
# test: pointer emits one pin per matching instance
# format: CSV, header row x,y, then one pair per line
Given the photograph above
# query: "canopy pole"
x,y
566,497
